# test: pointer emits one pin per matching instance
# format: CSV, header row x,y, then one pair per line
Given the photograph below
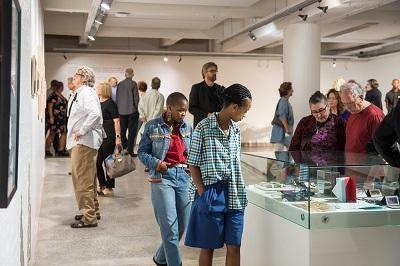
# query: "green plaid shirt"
x,y
218,157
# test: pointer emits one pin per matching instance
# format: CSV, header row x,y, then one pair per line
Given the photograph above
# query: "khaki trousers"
x,y
85,183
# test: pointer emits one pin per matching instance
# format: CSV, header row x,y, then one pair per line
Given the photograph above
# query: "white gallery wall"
x,y
19,221
262,77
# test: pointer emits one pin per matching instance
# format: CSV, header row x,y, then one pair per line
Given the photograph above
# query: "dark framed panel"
x,y
10,43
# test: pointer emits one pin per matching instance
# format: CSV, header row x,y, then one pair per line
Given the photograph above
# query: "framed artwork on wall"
x,y
10,39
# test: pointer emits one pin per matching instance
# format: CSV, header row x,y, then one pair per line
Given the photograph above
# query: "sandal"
x,y
100,191
81,224
80,216
108,192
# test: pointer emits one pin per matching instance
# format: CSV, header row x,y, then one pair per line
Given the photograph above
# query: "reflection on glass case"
x,y
323,189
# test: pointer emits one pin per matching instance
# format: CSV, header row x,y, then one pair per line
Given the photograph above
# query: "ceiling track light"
x,y
333,62
105,6
303,17
252,36
135,58
180,59
165,59
323,8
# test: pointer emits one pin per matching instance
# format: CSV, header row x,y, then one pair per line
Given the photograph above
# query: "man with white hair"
x,y
84,138
364,118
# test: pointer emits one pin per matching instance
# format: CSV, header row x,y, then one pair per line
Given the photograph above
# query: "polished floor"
x,y
127,233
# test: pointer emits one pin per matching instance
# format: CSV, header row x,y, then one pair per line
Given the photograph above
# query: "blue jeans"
x,y
171,204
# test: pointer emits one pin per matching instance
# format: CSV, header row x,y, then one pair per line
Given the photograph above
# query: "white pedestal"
x,y
269,240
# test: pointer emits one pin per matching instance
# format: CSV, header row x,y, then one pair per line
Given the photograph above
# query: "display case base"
x,y
269,239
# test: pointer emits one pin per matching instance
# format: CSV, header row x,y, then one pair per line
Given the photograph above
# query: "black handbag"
x,y
276,121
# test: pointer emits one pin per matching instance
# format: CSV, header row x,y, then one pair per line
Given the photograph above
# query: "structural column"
x,y
301,57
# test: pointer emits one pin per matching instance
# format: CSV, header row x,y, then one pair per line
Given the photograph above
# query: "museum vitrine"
x,y
321,190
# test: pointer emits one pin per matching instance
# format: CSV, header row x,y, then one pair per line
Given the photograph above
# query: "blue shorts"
x,y
211,223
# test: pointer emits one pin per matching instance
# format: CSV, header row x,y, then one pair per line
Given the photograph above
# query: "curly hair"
x,y
87,75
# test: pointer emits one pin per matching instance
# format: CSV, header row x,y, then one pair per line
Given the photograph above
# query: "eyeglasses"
x,y
315,112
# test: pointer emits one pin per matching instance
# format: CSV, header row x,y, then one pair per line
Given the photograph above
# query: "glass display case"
x,y
321,190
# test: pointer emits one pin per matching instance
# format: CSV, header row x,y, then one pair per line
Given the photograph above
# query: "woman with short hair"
x,y
112,128
373,95
282,124
322,130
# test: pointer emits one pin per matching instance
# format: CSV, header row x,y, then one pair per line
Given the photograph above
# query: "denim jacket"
x,y
154,144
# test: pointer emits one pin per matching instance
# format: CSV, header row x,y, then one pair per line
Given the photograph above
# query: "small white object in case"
x,y
392,202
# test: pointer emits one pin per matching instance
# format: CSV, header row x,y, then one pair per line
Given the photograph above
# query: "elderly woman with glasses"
x,y
321,130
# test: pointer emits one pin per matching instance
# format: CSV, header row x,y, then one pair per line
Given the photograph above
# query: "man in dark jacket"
x,y
204,97
127,102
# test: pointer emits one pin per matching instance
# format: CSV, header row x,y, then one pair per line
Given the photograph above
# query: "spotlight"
x,y
90,37
165,59
282,60
65,57
134,59
323,8
303,17
333,62
105,5
180,59
252,36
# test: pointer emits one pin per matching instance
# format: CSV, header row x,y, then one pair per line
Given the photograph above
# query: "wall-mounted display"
x,y
10,16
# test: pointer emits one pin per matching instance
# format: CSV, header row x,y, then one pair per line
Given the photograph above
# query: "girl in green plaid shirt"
x,y
216,216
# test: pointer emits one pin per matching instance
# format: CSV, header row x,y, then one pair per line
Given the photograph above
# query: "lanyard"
x,y
73,100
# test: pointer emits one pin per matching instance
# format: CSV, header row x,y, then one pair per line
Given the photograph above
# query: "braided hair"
x,y
175,98
235,94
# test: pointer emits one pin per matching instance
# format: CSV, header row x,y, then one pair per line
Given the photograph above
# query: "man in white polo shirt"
x,y
85,135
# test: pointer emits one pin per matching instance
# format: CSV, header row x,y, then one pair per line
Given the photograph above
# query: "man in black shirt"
x,y
392,96
204,97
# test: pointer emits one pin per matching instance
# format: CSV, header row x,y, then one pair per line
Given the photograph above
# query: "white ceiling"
x,y
227,3
371,27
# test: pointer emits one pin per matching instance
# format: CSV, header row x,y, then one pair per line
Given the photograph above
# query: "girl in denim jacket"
x,y
163,149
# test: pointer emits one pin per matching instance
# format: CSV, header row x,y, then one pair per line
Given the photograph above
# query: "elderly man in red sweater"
x,y
364,118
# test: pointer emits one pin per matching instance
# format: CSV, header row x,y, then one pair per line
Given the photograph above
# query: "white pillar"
x,y
301,64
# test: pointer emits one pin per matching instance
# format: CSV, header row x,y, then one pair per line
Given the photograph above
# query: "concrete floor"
x,y
127,233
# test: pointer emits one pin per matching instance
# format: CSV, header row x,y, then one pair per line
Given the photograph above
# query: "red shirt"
x,y
176,153
360,128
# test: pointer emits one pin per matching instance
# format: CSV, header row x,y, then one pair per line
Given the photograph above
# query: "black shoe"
x,y
80,216
62,154
81,224
48,154
159,264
